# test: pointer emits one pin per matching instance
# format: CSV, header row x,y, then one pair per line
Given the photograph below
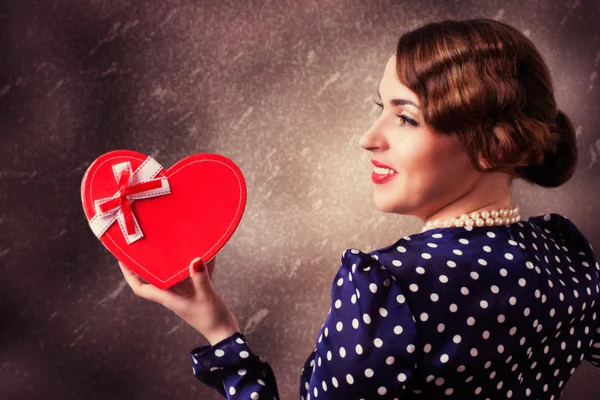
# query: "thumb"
x,y
199,274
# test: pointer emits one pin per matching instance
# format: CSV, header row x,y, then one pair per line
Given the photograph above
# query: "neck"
x,y
490,194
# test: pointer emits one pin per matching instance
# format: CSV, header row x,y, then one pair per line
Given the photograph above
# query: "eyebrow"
x,y
400,102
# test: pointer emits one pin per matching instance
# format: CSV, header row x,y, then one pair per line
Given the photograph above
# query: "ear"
x,y
482,162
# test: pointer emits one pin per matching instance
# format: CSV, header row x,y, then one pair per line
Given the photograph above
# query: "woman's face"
x,y
432,169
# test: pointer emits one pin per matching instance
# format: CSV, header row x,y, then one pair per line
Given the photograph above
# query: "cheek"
x,y
429,168
414,160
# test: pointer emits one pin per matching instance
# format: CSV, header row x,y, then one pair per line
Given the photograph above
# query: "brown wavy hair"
x,y
485,83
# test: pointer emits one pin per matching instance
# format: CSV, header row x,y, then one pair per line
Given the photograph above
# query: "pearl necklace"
x,y
487,218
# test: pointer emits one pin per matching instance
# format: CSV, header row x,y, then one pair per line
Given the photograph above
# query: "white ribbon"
x,y
146,172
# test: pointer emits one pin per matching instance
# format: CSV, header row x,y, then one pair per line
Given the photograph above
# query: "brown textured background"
x,y
283,88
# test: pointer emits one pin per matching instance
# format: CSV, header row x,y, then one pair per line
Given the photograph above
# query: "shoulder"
x,y
561,227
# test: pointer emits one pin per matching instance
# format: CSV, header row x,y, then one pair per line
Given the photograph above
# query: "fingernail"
x,y
199,265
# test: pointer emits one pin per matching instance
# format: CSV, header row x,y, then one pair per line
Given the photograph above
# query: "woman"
x,y
479,304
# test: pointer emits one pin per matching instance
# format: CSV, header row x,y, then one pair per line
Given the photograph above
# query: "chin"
x,y
386,205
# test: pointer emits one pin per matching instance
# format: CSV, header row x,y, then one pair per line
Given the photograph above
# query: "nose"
x,y
373,138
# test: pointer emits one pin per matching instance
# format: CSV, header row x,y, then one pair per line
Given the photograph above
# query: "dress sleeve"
x,y
368,347
587,258
233,370
594,354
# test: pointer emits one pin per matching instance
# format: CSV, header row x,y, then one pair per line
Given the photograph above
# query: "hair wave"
x,y
485,83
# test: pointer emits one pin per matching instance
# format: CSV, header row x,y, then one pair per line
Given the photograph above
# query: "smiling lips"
x,y
381,172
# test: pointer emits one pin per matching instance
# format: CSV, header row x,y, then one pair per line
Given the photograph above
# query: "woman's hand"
x,y
194,299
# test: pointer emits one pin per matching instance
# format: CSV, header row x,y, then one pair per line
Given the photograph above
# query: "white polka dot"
x,y
368,372
483,304
401,377
420,270
426,255
413,287
522,282
219,353
529,265
244,354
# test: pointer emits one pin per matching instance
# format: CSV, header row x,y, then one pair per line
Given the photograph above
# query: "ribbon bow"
x,y
139,185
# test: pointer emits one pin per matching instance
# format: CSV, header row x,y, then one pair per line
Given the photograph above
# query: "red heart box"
x,y
204,207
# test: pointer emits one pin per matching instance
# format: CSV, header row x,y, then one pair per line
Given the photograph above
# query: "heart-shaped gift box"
x,y
157,221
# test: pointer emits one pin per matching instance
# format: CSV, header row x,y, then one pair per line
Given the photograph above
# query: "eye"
x,y
404,118
407,120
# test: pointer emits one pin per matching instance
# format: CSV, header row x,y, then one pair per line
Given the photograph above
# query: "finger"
x,y
140,289
194,273
200,280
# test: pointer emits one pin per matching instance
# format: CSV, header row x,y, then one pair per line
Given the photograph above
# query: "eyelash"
x,y
406,120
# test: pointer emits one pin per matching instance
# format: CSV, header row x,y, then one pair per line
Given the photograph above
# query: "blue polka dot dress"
x,y
450,313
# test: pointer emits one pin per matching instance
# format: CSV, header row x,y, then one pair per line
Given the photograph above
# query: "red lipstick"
x,y
381,178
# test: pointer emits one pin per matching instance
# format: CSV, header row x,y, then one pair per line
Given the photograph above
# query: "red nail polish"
x,y
199,265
